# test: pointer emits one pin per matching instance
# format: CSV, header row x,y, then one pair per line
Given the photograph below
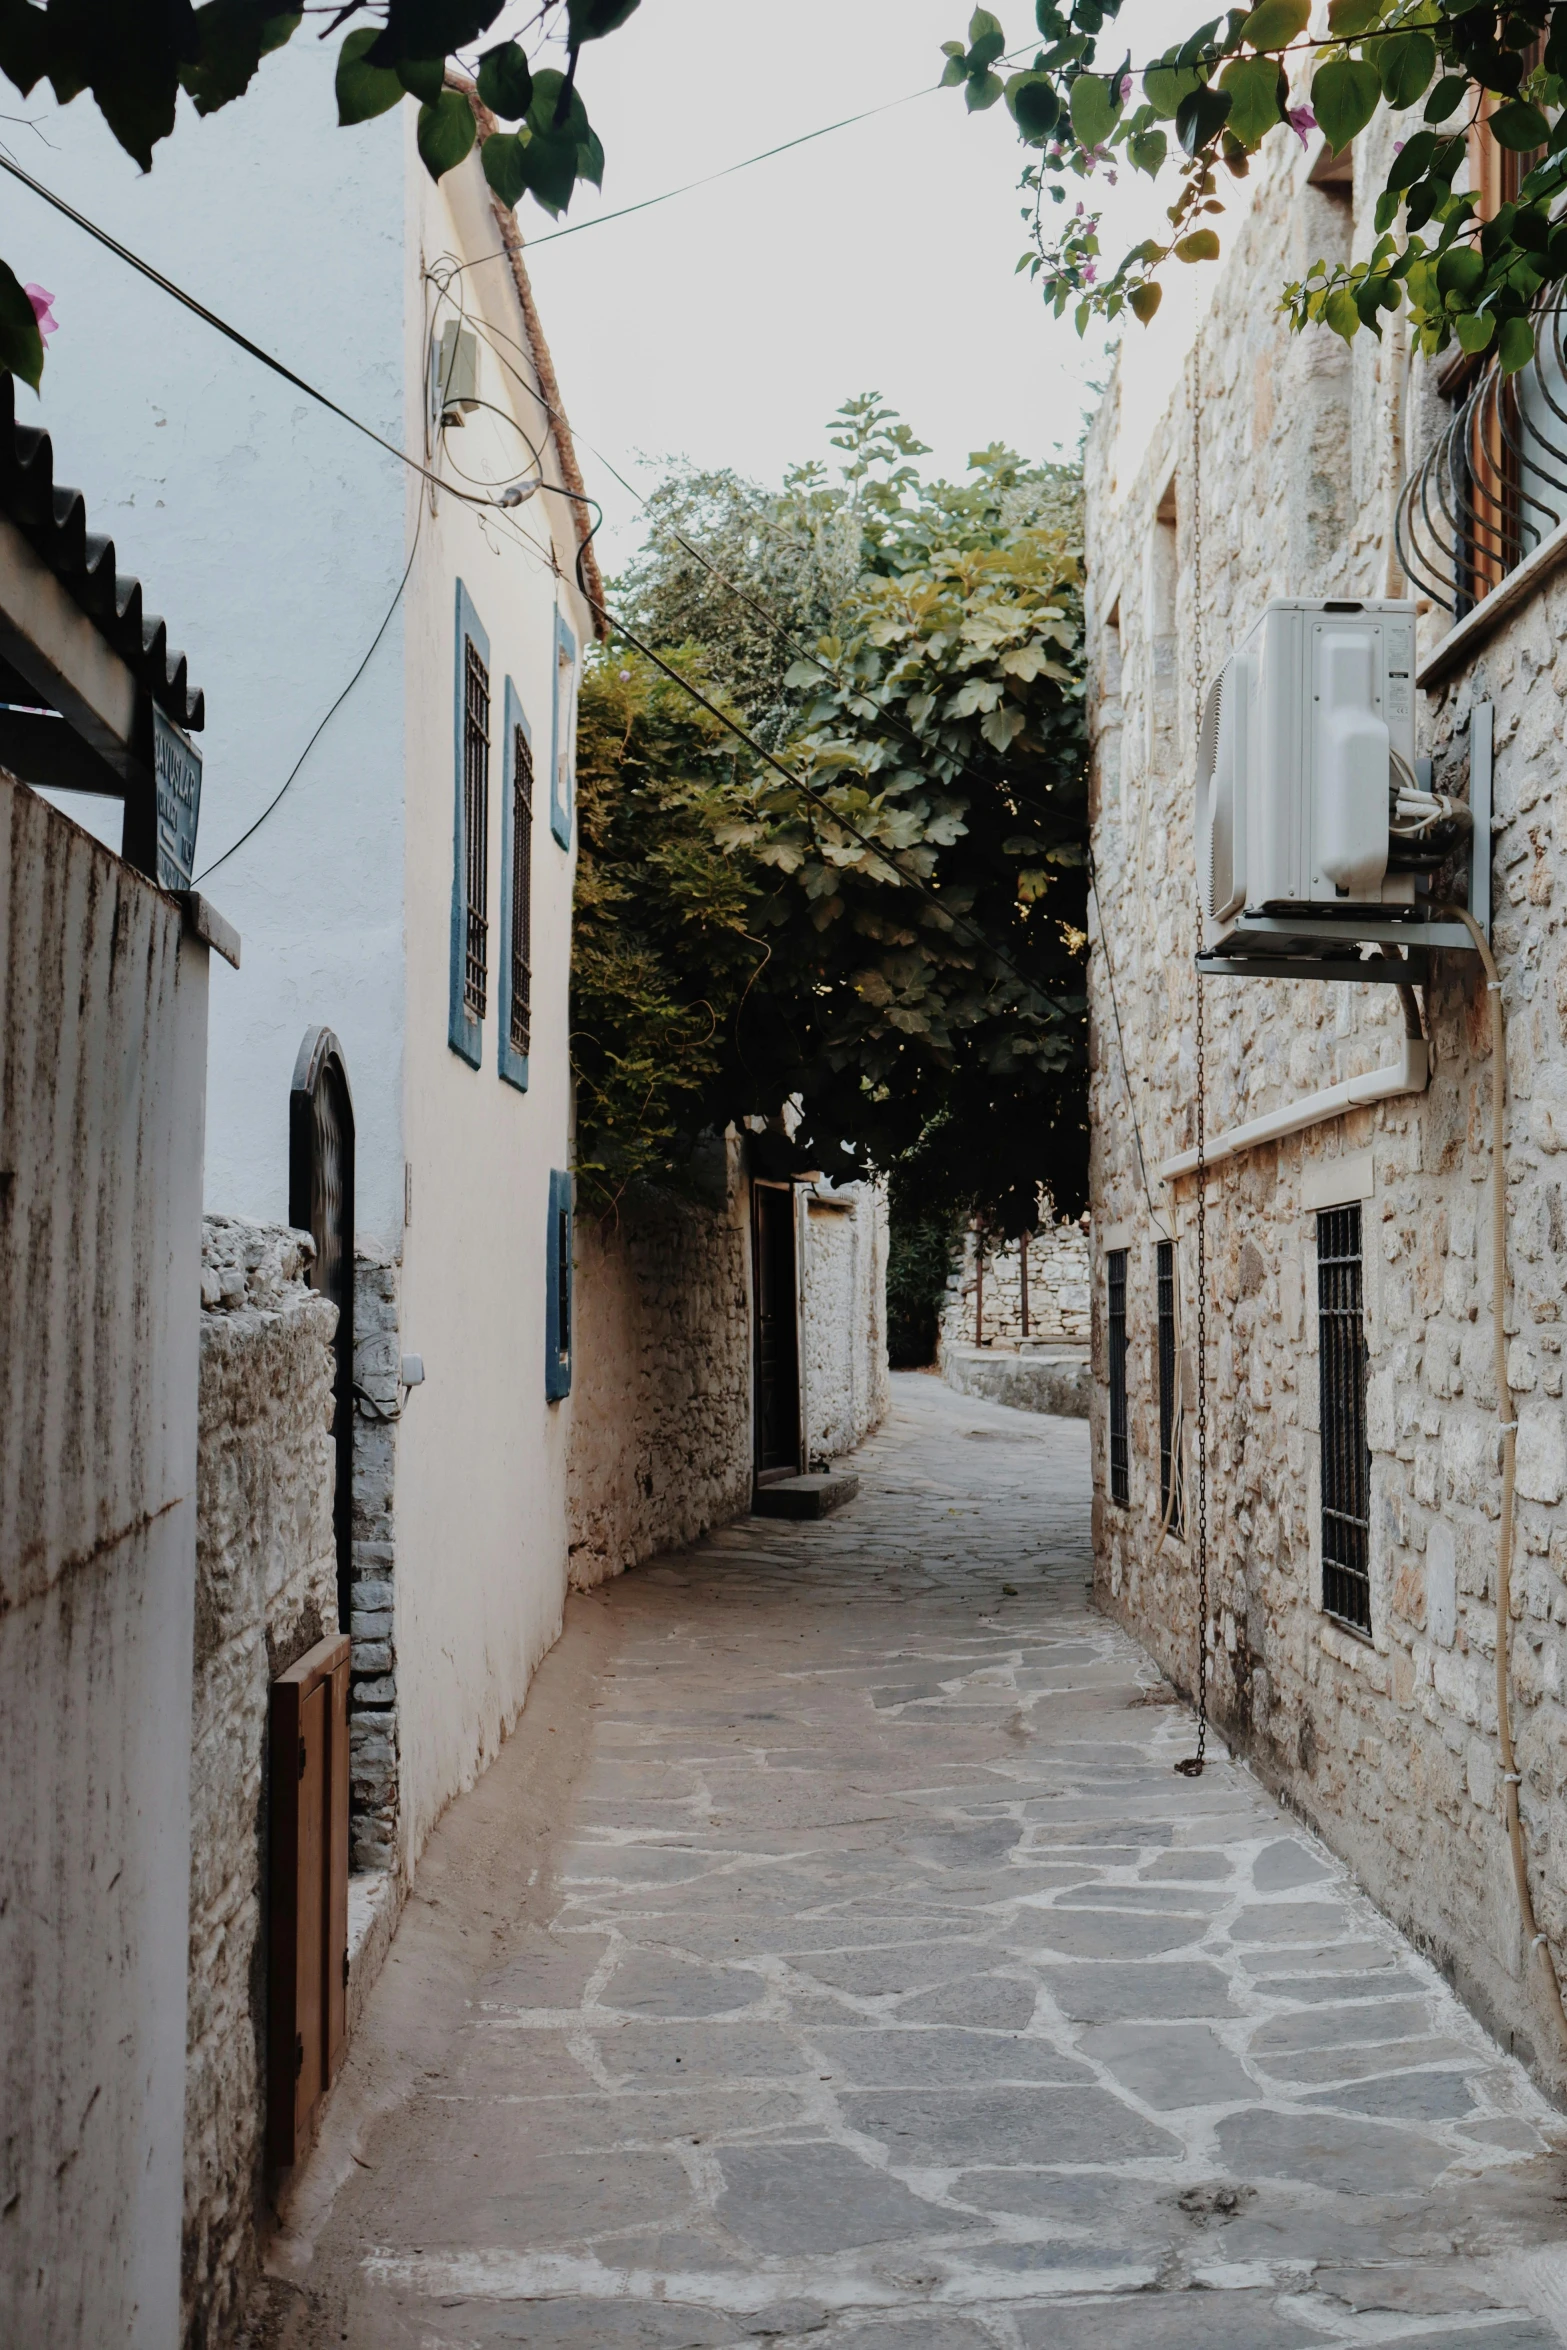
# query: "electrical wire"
x,y
491,505
386,623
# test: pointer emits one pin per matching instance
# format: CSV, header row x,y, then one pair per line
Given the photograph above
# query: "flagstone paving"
x,y
887,1990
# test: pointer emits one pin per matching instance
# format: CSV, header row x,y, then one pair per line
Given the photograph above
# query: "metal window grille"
x,y
1120,1448
1171,1481
476,830
521,891
1346,1456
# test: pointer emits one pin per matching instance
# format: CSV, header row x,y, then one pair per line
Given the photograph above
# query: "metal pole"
x,y
979,1285
1023,1266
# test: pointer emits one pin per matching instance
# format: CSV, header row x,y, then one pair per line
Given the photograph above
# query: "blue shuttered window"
x,y
557,1291
563,750
516,960
470,975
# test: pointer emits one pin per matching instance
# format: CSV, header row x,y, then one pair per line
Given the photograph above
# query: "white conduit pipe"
x,y
1410,1074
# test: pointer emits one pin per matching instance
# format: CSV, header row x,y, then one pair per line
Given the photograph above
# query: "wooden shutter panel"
x,y
308,1893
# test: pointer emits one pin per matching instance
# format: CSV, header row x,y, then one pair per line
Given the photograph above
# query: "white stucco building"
x,y
388,652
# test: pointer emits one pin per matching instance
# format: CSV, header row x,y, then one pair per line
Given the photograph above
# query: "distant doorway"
x,y
777,1355
321,1202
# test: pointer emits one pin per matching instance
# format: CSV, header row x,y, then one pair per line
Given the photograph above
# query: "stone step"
x,y
816,1496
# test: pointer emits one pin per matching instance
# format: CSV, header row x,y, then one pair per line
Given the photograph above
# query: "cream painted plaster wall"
x,y
481,1456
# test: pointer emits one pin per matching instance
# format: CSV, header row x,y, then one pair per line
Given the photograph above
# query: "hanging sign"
x,y
176,764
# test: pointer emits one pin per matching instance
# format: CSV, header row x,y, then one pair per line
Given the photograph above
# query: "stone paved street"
x,y
876,1985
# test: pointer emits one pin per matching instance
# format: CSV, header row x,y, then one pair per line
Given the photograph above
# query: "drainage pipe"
x,y
1409,1074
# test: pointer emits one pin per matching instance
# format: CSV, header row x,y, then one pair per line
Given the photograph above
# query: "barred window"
x,y
476,830
1172,1495
521,943
1120,1449
1346,1455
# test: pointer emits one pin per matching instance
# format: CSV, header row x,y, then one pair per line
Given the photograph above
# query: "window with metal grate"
x,y
476,830
521,942
1120,1447
1172,1495
1346,1456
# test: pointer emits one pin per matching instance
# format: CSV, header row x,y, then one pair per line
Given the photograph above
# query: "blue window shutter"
x,y
557,1291
563,742
512,1064
464,1033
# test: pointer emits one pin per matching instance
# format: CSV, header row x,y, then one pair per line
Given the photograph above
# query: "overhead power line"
x,y
955,921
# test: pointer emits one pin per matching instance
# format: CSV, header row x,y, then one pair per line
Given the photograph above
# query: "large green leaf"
x,y
423,78
1201,115
982,91
1253,87
24,43
1518,125
1201,245
1165,85
232,37
1348,19
1276,23
447,131
431,28
364,90
1033,106
1405,63
504,167
1515,345
986,40
21,344
506,81
1345,94
590,20
1095,112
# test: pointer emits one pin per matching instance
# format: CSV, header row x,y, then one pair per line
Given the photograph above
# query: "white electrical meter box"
x,y
455,384
1308,745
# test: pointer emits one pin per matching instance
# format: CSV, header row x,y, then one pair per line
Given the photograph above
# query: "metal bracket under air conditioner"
x,y
1323,942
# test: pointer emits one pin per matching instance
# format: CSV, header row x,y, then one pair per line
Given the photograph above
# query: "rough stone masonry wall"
x,y
661,1391
372,1727
1058,1260
844,1318
265,1592
1389,1745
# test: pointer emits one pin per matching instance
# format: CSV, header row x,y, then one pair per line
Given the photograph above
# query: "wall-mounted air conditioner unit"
x,y
1317,831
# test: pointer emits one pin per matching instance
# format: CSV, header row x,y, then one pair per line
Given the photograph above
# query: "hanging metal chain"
x,y
1191,1766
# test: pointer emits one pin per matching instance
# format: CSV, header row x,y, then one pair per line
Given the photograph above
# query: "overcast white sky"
x,y
726,326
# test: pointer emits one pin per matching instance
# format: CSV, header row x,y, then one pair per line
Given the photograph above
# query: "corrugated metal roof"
x,y
54,519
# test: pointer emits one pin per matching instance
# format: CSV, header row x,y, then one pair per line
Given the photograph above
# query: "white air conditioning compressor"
x,y
1308,799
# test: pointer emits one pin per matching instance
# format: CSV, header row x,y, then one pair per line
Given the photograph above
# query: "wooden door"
x,y
777,1331
307,1892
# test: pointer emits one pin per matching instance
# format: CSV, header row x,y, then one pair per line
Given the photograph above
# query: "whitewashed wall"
x,y
481,1533
103,1007
284,534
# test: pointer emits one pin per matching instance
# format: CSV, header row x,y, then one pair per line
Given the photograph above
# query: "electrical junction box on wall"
x,y
1317,832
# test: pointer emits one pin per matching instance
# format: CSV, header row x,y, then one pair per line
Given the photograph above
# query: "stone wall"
x,y
1058,1274
266,1591
372,1728
661,1383
1387,1744
844,1316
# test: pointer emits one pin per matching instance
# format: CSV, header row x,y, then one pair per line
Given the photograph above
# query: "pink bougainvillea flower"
x,y
1301,120
1125,90
48,324
1089,274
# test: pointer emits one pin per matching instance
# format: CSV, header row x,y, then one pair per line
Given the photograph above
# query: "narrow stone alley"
x,y
833,1957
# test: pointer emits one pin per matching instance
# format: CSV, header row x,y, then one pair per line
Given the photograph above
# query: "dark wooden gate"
x,y
321,1202
777,1332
